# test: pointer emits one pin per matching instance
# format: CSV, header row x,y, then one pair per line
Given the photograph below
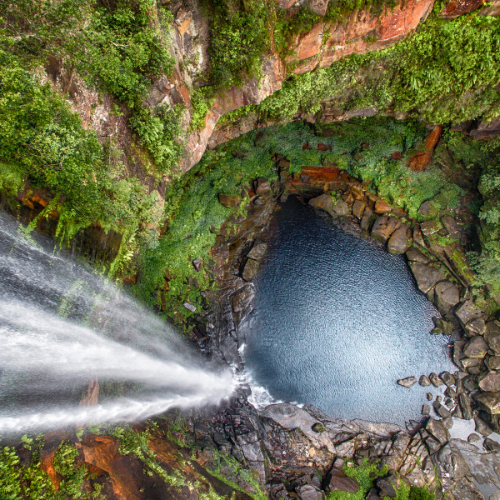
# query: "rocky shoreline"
x,y
283,435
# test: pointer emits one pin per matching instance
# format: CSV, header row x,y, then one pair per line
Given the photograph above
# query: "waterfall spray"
x,y
62,326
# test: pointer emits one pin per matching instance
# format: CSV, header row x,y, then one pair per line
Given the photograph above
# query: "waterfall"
x,y
62,326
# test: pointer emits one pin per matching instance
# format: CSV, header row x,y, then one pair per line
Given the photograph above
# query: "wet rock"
x,y
467,312
476,327
335,209
430,227
442,327
386,489
447,296
382,207
338,481
473,438
366,220
258,251
492,336
465,406
490,445
309,492
399,241
407,382
250,270
383,228
229,200
262,186
482,427
424,381
242,300
425,276
435,380
414,255
490,382
358,208
426,410
437,429
189,307
447,378
476,348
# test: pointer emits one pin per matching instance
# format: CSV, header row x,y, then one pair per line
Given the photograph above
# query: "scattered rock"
x,y
229,200
399,241
424,381
473,438
490,445
482,427
425,276
447,378
426,410
435,380
429,396
407,382
441,410
447,296
189,307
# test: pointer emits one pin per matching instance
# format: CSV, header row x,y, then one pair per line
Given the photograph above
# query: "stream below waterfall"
x,y
337,321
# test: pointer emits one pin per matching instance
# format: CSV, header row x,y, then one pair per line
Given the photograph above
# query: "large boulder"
x,y
258,250
447,296
399,241
437,429
336,209
476,348
383,228
425,276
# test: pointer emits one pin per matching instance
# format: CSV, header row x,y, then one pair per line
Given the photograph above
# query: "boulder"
x,y
425,276
493,363
441,410
382,207
447,378
383,228
334,208
447,296
258,250
338,481
492,336
426,410
424,381
358,208
490,445
309,492
229,200
473,438
451,225
435,380
398,242
476,348
386,489
414,255
482,427
465,406
373,495
490,382
262,186
189,307
430,227
489,401
476,327
467,312
407,382
366,219
250,270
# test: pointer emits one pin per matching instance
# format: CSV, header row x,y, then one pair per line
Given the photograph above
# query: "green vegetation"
x,y
31,482
448,72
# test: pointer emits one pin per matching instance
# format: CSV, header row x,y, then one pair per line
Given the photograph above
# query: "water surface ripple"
x,y
338,321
